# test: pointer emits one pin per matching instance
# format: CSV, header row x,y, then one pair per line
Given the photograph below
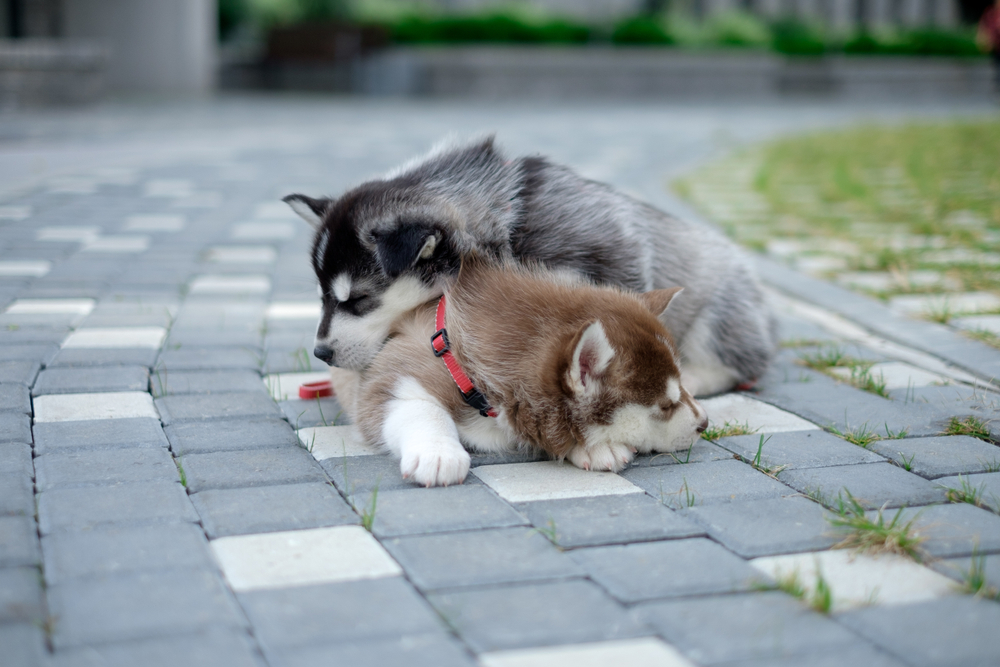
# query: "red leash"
x,y
442,348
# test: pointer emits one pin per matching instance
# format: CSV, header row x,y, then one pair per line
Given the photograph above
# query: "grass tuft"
x,y
770,471
983,336
874,536
820,598
729,429
967,426
974,580
863,435
368,513
180,471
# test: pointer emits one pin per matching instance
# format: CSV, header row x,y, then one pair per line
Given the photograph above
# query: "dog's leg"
x,y
702,372
418,429
603,456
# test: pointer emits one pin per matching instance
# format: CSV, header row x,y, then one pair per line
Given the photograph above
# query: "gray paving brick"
x,y
23,644
209,358
959,569
476,558
15,459
91,380
171,383
874,485
103,467
194,407
268,509
15,428
701,452
432,650
544,614
98,434
985,486
320,412
680,486
827,402
15,398
372,609
957,630
18,372
139,606
953,530
579,522
87,508
21,597
357,476
441,509
211,648
861,653
111,550
38,352
230,435
17,495
941,456
799,449
755,626
18,541
130,356
651,570
212,338
766,527
33,336
253,467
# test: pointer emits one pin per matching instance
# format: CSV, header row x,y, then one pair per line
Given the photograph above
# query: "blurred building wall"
x,y
156,45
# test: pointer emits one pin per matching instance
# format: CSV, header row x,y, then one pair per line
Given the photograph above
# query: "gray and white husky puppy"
x,y
392,244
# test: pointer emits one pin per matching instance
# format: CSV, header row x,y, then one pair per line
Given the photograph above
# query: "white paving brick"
x,y
263,230
204,199
294,310
171,187
216,284
51,307
549,480
73,185
330,442
241,255
285,386
14,212
858,580
32,268
930,304
82,407
155,223
989,323
68,234
275,209
898,375
119,337
757,415
645,652
302,557
117,244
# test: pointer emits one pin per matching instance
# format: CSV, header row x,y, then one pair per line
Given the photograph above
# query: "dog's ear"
x,y
658,300
309,209
590,358
399,249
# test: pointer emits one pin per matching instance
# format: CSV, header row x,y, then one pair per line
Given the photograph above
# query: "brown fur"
x,y
514,331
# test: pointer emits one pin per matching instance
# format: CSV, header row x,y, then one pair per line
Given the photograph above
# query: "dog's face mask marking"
x,y
367,278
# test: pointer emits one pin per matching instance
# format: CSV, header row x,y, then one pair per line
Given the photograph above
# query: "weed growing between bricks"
x,y
819,598
974,579
863,436
874,536
967,426
730,428
967,493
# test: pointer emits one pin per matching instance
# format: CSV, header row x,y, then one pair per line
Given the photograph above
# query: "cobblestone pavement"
x,y
165,498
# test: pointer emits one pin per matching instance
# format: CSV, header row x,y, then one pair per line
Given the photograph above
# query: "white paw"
x,y
611,457
435,462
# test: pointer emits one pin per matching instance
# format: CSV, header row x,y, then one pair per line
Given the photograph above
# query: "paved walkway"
x,y
166,499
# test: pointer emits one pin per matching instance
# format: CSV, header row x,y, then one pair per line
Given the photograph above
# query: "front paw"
x,y
611,457
436,463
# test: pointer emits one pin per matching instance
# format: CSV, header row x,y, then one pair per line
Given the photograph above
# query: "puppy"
x,y
391,244
585,373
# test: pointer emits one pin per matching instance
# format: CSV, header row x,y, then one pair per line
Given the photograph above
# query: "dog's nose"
x,y
324,354
703,425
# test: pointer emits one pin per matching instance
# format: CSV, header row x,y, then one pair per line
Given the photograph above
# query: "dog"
x,y
585,373
391,244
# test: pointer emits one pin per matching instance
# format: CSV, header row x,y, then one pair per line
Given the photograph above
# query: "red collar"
x,y
442,348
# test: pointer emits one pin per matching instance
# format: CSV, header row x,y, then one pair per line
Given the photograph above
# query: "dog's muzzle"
x,y
324,354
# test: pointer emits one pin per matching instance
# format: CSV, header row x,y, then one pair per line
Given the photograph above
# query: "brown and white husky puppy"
x,y
585,373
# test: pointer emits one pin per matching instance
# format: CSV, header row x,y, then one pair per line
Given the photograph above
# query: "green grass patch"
x,y
967,426
864,435
876,535
730,428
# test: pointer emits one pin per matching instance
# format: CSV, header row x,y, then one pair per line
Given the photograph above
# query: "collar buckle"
x,y
440,337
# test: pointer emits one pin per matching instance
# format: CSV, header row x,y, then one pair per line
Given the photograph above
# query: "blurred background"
x,y
73,51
